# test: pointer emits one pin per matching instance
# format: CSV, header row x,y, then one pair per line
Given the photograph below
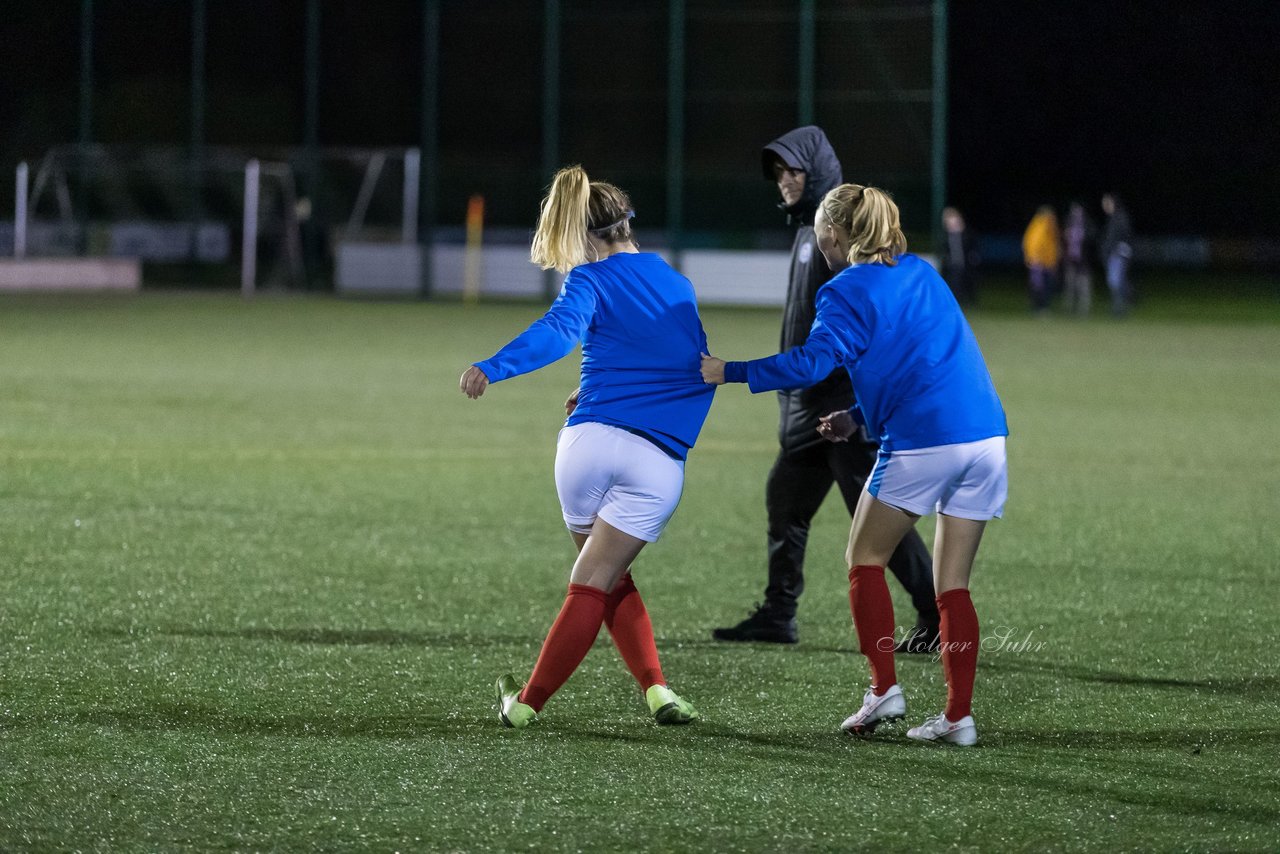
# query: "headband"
x,y
630,215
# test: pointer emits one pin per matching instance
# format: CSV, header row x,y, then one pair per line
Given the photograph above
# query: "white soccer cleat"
x,y
962,732
875,711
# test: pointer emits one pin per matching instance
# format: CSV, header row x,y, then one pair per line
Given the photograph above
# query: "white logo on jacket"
x,y
806,252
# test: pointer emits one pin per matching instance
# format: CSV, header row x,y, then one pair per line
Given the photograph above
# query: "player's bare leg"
x,y
604,557
627,618
955,546
877,529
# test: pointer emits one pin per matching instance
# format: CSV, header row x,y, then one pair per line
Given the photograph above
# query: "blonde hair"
x,y
574,206
871,219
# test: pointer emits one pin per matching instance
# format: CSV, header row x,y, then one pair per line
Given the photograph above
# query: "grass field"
x,y
262,562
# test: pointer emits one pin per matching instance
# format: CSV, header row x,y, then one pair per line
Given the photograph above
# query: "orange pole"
x,y
474,253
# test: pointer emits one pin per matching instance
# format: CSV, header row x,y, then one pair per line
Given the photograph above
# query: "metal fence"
x,y
671,99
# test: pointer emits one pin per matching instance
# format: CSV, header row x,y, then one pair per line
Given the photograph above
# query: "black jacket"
x,y
1116,236
964,260
806,148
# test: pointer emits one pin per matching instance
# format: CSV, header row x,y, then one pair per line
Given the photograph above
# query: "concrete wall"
x,y
719,276
70,274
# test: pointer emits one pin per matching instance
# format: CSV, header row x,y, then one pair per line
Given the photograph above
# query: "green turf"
x,y
261,564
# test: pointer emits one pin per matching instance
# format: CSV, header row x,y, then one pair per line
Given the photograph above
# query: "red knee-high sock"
x,y
959,636
567,643
873,618
628,623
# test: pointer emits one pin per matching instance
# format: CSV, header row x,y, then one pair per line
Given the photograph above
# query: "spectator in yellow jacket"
x,y
1041,250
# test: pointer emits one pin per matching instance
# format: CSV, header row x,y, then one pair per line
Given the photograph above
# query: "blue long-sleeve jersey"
x,y
642,340
918,375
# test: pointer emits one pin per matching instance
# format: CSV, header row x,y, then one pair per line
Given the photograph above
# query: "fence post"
x,y
196,200
550,111
409,210
675,129
20,215
806,63
430,139
85,135
939,122
249,260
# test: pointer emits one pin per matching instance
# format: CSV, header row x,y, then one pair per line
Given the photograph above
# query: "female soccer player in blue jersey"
x,y
620,457
923,389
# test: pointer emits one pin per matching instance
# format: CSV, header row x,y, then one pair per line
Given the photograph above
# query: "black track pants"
x,y
797,486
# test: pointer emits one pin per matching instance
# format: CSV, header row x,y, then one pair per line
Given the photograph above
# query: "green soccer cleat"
x,y
513,713
667,707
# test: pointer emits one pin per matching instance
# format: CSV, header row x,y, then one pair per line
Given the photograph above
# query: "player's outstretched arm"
x,y
473,382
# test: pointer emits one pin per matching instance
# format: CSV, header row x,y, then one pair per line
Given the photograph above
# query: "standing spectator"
x,y
1116,251
958,257
804,166
1041,250
1076,261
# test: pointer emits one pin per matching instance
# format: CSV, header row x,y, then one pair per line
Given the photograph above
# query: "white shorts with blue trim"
x,y
605,472
970,480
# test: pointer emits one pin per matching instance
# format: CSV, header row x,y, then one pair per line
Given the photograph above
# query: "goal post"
x,y
249,244
377,251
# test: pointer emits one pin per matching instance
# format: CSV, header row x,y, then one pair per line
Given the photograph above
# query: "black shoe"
x,y
765,625
921,639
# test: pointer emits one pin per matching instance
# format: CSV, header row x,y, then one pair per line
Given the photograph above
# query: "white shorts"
x,y
970,480
605,472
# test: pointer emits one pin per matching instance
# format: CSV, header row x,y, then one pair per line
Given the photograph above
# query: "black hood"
x,y
808,149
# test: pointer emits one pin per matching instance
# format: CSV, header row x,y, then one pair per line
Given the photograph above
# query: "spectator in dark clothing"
x,y
958,257
1116,252
804,166
1077,275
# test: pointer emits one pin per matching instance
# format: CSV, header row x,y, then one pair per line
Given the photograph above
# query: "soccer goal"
x,y
270,218
183,220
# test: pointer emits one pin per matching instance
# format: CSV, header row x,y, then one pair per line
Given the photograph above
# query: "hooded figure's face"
x,y
790,182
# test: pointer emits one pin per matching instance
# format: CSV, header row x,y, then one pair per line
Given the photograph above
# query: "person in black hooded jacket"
x,y
804,166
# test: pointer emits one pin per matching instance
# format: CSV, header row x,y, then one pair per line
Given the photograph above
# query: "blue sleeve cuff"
x,y
735,372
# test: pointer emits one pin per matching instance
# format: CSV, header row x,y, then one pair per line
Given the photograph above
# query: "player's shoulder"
x,y
624,264
851,282
650,262
584,274
654,269
581,283
842,293
905,266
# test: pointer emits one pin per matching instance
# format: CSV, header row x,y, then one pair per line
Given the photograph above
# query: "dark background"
x,y
1174,105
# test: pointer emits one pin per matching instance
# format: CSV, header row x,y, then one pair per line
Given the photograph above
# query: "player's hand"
x,y
473,382
712,370
837,427
572,402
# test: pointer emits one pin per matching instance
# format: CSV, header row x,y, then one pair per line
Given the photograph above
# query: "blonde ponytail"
x,y
573,207
560,242
871,219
